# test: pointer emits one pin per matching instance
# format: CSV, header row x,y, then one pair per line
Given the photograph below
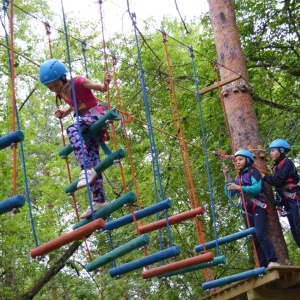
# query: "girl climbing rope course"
x,y
285,180
53,74
248,184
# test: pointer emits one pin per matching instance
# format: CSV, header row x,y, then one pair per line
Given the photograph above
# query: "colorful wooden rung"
x,y
109,209
116,253
175,266
145,261
74,235
11,203
93,130
226,239
172,220
143,213
11,138
102,166
233,278
217,261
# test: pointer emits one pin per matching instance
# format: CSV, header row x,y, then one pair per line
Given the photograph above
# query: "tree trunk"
x,y
239,109
66,293
48,275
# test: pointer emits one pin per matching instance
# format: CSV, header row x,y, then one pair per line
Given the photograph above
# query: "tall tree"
x,y
240,113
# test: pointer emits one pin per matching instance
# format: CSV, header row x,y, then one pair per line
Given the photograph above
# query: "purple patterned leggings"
x,y
91,152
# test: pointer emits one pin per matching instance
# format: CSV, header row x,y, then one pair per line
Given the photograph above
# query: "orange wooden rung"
x,y
172,220
74,235
206,257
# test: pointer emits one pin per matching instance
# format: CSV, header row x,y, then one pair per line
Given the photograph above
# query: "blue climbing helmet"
x,y
247,154
52,70
282,146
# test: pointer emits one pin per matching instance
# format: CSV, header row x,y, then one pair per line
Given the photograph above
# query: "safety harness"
x,y
255,202
285,190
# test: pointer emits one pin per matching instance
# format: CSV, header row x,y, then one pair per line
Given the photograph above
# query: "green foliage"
x,y
269,35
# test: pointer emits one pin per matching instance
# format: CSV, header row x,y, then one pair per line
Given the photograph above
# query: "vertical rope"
x,y
13,96
76,110
48,32
83,49
206,153
182,144
15,116
124,126
154,155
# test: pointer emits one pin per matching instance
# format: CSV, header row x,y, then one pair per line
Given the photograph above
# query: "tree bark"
x,y
47,276
239,109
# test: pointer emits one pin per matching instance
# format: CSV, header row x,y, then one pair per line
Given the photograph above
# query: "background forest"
x,y
270,36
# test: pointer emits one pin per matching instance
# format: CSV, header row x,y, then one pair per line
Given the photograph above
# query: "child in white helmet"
x,y
285,180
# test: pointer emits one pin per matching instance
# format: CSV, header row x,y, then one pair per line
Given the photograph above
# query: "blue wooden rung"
x,y
233,278
145,212
226,239
11,138
145,261
11,203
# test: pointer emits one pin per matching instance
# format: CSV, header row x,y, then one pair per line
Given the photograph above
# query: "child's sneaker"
x,y
91,174
96,206
273,264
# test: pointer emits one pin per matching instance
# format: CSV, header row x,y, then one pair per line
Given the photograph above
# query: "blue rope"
x,y
26,186
230,197
101,143
206,154
111,242
76,112
21,143
155,163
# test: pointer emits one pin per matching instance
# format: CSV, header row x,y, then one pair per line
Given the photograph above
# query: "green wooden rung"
x,y
109,209
118,252
93,130
102,166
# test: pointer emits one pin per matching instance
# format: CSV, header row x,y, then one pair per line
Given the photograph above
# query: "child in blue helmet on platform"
x,y
53,74
285,180
249,183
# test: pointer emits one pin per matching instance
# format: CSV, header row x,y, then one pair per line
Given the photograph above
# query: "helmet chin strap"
x,y
63,78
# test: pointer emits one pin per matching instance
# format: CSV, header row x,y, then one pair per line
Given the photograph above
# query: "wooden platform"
x,y
280,283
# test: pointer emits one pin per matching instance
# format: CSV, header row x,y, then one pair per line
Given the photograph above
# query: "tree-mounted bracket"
x,y
221,83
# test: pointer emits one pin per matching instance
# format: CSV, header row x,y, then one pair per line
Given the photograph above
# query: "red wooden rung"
x,y
172,220
74,235
206,257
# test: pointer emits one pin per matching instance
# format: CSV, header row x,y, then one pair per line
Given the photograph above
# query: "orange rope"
x,y
75,204
131,117
162,131
126,135
113,126
48,32
13,96
183,149
238,175
129,152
